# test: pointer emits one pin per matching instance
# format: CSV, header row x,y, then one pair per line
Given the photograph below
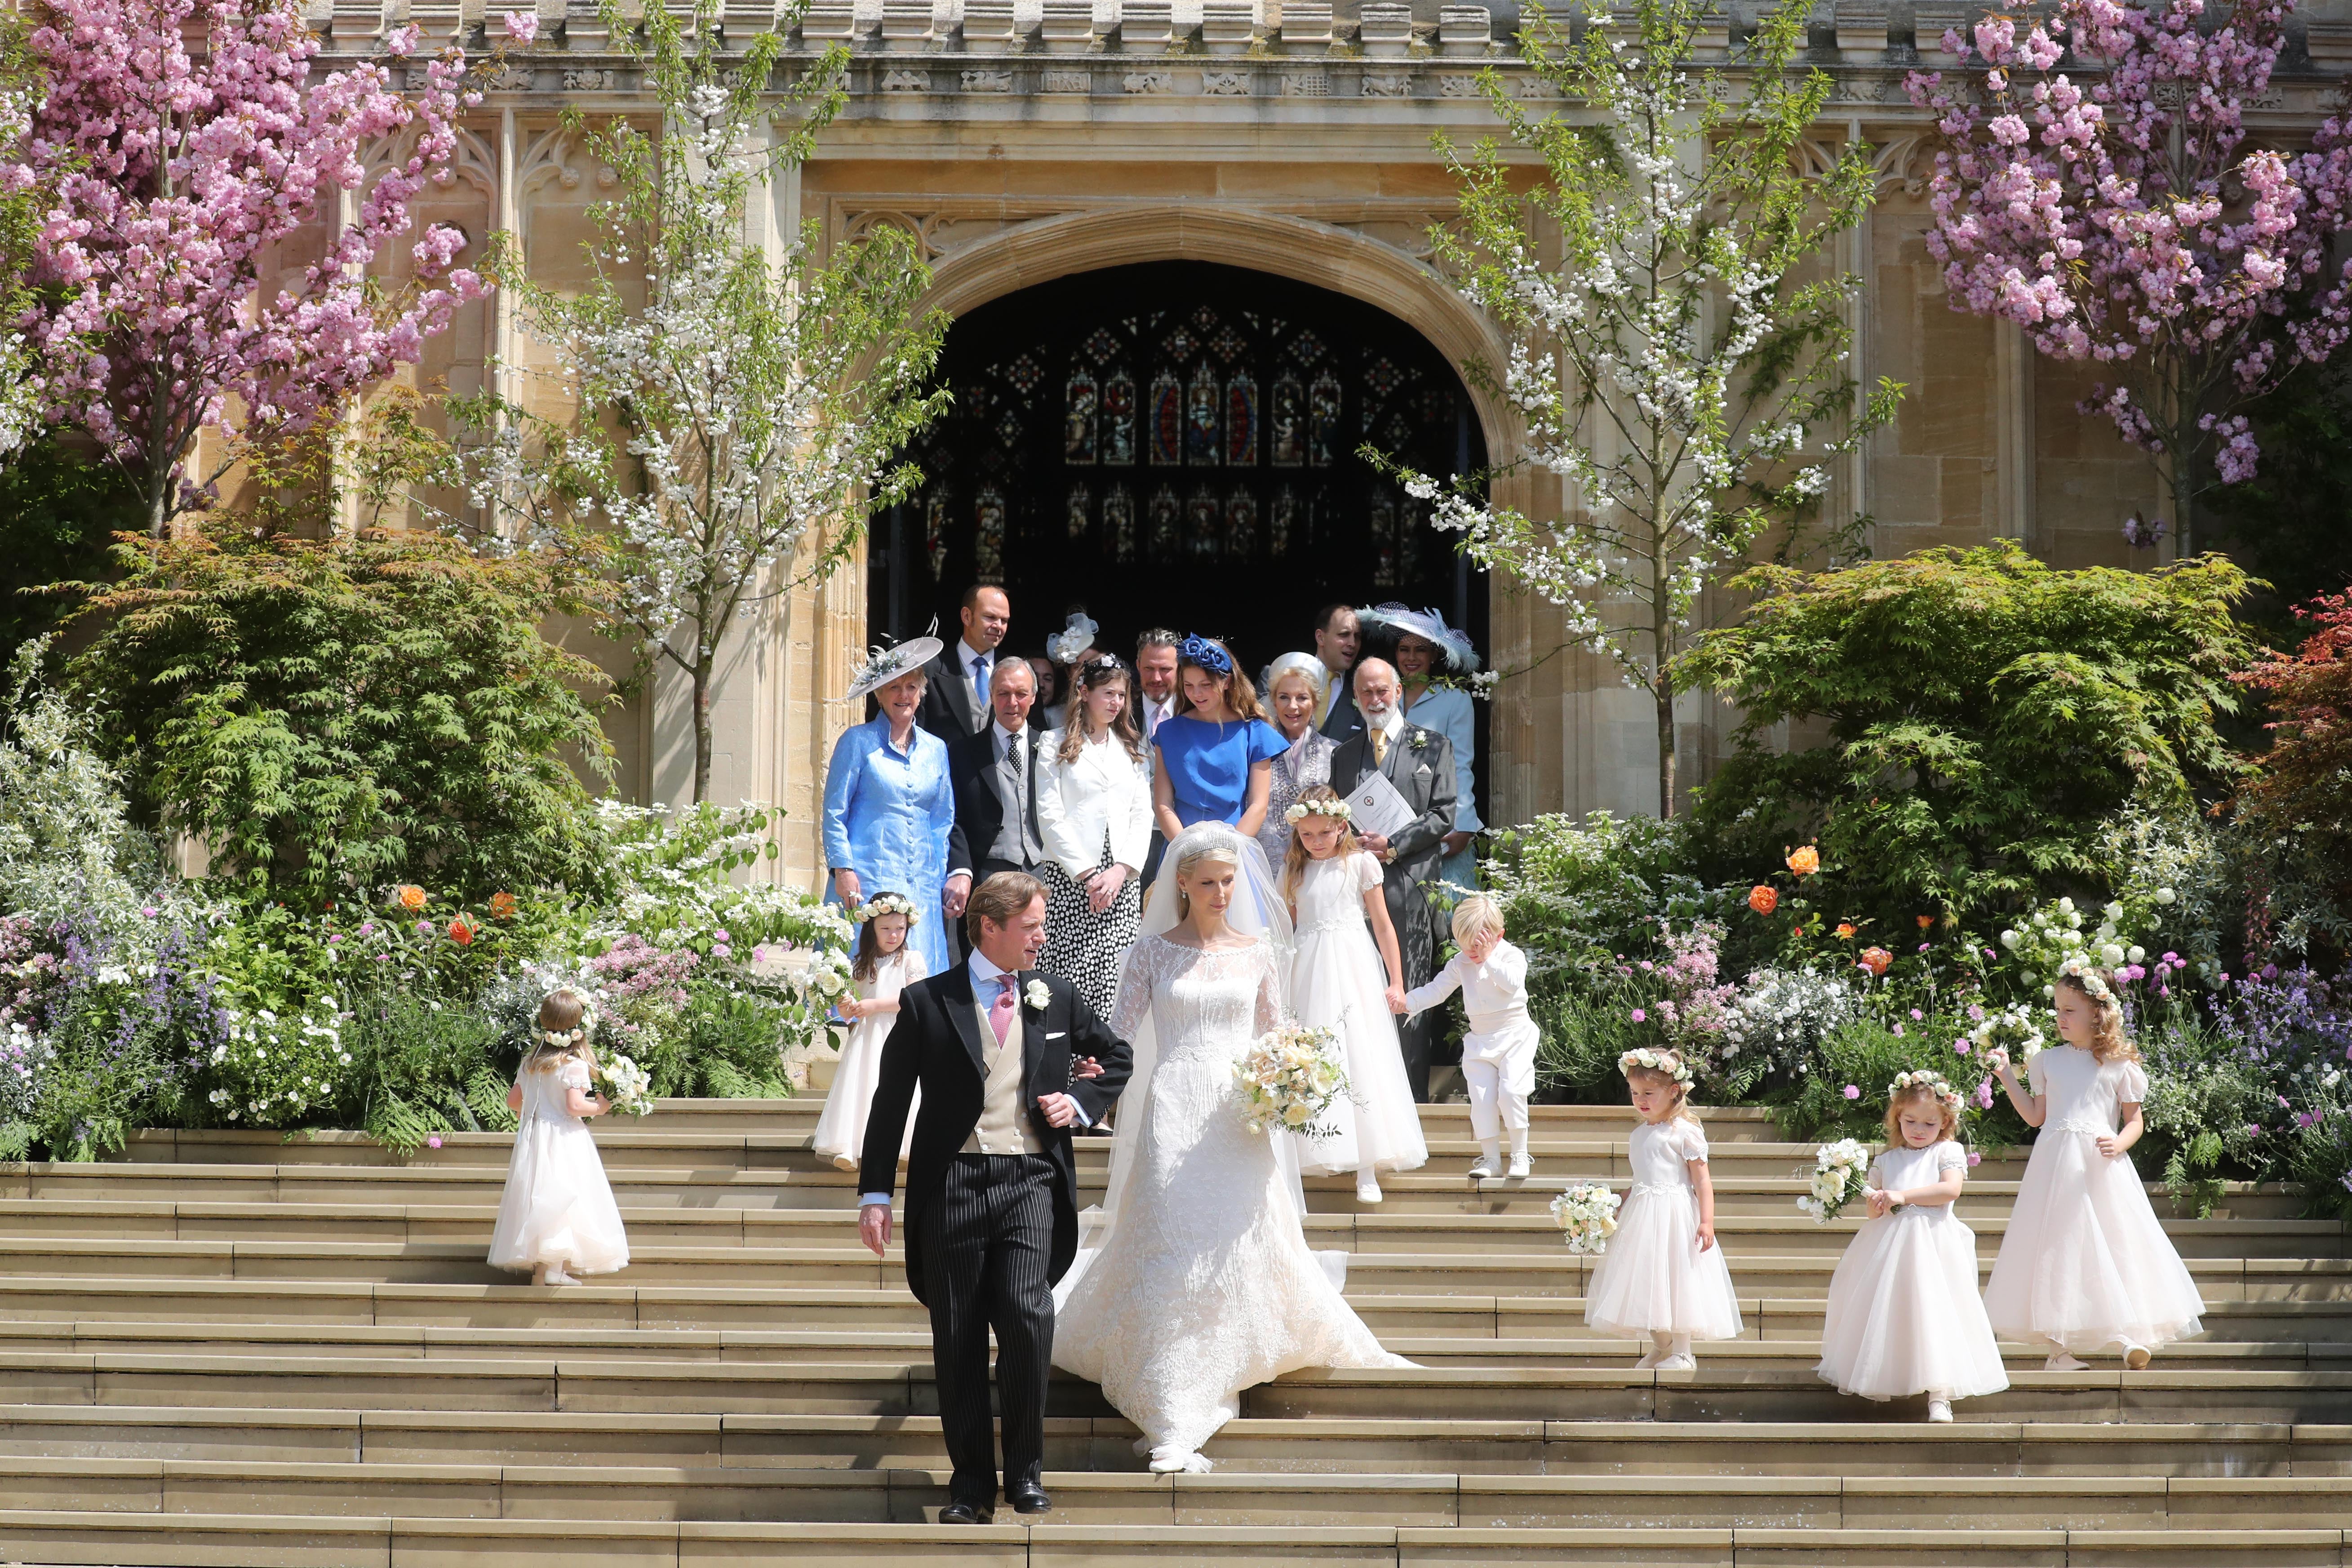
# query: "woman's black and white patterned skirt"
x,y
1085,948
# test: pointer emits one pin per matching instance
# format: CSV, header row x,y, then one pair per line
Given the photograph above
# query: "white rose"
x,y
2111,955
1037,994
2066,906
2165,895
2009,940
2136,954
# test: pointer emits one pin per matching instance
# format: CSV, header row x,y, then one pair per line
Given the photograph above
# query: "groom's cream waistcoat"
x,y
1002,1130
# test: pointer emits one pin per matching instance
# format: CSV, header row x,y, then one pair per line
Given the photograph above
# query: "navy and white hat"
x,y
1454,648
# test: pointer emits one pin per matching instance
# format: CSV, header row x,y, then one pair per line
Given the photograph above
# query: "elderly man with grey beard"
x,y
1420,764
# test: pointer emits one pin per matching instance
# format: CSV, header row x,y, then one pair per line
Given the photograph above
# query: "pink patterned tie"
x,y
999,1012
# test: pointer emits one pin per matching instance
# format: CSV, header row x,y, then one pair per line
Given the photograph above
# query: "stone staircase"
x,y
240,1349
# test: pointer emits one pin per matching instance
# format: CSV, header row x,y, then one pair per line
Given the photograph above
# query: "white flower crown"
x,y
560,1037
1300,810
885,904
2078,967
1662,1063
1934,1082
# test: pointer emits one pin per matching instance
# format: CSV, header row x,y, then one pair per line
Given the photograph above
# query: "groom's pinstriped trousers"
x,y
986,1246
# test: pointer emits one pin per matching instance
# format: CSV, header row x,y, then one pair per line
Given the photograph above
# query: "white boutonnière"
x,y
1037,994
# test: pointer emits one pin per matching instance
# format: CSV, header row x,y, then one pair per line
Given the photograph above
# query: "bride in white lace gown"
x,y
1202,1285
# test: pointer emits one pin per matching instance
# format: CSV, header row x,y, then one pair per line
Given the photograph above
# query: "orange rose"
x,y
409,896
460,932
502,906
1845,930
1762,899
1876,960
1804,861
1926,921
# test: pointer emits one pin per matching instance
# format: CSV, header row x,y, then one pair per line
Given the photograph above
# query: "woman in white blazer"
x,y
1094,812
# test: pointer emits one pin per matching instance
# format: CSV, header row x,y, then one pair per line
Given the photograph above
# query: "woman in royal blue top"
x,y
1213,758
889,808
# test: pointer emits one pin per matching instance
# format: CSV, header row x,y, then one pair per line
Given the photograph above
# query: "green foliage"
x,y
425,1070
1584,1033
2295,813
2285,525
1582,891
57,510
1987,716
332,715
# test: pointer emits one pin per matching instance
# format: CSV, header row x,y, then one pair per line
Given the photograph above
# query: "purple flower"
x,y
1923,947
425,928
334,936
434,1141
1961,1045
1898,1031
2172,958
1916,1014
1975,1159
1639,1017
1851,1092
151,912
1988,953
1984,1095
1647,964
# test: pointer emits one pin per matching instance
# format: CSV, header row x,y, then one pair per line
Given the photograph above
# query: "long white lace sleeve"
x,y
1134,1004
1269,994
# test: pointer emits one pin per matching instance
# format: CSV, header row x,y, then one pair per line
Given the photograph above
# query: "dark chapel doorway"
x,y
1176,444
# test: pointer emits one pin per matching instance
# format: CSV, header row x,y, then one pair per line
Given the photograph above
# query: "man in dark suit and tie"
x,y
1000,1054
955,697
1338,635
994,774
1420,764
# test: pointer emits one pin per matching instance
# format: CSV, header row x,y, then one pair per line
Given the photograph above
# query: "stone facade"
x,y
1022,143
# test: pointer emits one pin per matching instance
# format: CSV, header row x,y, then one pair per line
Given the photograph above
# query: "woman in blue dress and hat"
x,y
889,808
1213,757
1426,649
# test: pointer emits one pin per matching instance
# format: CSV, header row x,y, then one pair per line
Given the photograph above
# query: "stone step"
x,y
1874,1440
1740,1389
301,1307
1222,1497
386,1189
1369,1230
1580,1348
1757,1267
367,1542
1568,1154
800,1114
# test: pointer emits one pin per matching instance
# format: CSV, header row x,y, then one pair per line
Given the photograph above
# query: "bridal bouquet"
x,y
624,1083
1840,1170
1288,1079
1587,1214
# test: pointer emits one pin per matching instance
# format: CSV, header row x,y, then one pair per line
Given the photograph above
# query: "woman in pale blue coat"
x,y
889,807
1426,648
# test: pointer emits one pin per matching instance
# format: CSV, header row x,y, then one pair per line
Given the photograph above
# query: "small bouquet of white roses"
x,y
1840,1170
1288,1079
2014,1029
623,1083
1587,1215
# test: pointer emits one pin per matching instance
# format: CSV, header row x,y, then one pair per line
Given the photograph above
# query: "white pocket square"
x,y
1055,1033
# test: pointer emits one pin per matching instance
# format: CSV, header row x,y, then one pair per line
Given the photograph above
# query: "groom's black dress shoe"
x,y
1029,1499
967,1513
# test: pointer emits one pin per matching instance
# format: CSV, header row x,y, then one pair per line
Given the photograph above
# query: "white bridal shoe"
x,y
1367,1190
1520,1166
1940,1409
2061,1361
2137,1357
1180,1463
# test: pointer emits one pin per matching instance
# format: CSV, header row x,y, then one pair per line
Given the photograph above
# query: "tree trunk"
x,y
163,467
2184,491
1665,695
702,669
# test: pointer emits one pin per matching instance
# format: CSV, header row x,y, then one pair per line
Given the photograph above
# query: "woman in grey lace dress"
x,y
1295,684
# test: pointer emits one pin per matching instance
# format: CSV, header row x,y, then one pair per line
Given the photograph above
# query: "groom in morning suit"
x,y
992,1188
1420,764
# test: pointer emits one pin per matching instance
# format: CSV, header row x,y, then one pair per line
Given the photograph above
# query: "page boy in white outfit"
x,y
1498,1050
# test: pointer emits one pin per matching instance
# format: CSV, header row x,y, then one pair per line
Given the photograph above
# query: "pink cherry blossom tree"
x,y
186,146
2114,212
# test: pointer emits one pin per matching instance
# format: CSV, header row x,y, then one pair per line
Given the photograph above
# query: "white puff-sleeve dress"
x,y
1904,1316
2086,1264
1337,982
1653,1279
557,1207
841,1127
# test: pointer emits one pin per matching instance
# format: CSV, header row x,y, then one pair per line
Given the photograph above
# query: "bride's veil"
x,y
1258,910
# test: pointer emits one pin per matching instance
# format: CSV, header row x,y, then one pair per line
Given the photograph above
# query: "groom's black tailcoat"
x,y
987,1234
935,1044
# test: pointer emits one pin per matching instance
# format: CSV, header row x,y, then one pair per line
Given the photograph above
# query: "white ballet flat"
x,y
1683,1363
1939,1410
2061,1361
1650,1361
2137,1357
1368,1191
1520,1166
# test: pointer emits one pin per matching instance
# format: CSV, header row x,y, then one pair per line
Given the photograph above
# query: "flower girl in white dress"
x,y
2087,1263
557,1215
1663,1278
1904,1316
1347,979
886,965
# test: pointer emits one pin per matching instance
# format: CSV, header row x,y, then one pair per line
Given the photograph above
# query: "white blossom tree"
x,y
1682,366
738,427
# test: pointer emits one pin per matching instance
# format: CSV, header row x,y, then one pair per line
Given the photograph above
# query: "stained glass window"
x,y
1240,421
1200,524
1167,513
1167,420
1118,419
1118,525
1203,421
1077,515
1079,403
1323,404
1241,527
1290,422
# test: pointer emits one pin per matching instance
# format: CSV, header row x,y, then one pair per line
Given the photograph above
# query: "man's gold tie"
x,y
1379,748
